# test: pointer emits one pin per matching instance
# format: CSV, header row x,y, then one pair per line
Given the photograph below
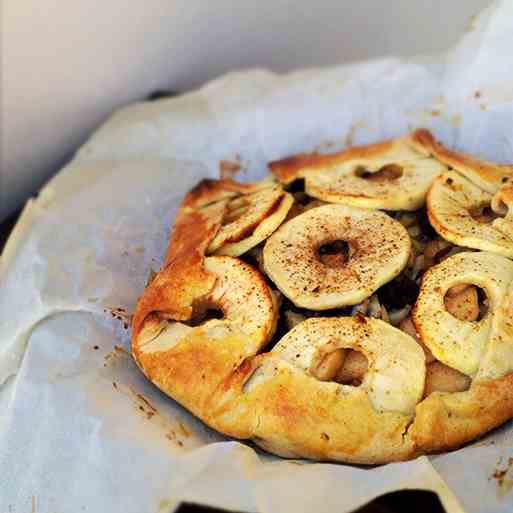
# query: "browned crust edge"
x,y
447,421
248,230
182,279
290,168
209,191
477,170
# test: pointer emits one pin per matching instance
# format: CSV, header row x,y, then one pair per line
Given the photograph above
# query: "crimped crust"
x,y
392,175
412,145
486,175
219,375
446,421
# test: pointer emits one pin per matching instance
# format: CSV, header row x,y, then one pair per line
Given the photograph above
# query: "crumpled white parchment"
x,y
80,428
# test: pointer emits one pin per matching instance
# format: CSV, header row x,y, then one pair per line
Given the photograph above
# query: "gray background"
x,y
67,64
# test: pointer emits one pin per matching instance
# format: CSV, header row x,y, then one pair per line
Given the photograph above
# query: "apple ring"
x,y
458,343
394,380
456,210
378,248
392,175
240,295
249,219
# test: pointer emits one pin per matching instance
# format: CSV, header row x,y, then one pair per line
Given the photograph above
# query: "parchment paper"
x,y
81,428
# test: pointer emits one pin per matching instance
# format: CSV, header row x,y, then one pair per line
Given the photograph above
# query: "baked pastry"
x,y
317,326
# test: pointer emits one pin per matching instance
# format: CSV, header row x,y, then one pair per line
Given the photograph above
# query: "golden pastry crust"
x,y
486,175
221,377
420,142
393,175
211,191
447,421
291,168
182,279
250,219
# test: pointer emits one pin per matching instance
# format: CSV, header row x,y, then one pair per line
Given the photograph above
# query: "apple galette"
x,y
354,307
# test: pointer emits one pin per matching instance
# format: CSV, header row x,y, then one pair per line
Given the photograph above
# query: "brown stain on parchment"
x,y
229,168
174,431
185,432
118,351
121,315
503,477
